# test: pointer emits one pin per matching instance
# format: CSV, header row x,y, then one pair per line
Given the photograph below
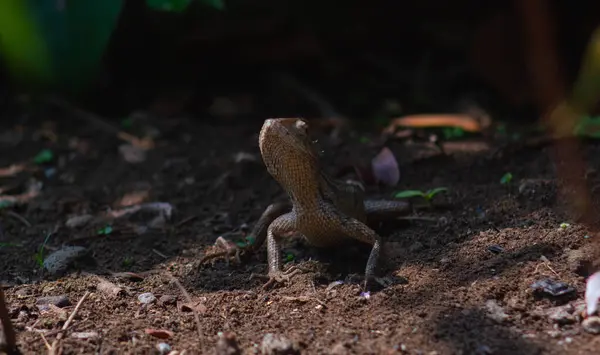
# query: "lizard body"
x,y
325,211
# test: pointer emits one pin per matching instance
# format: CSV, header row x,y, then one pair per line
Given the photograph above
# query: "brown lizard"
x,y
323,210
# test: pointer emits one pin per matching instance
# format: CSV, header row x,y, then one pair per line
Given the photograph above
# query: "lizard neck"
x,y
304,188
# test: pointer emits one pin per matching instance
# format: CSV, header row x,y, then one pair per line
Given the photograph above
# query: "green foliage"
x,y
52,43
59,44
39,255
453,133
4,245
6,203
128,261
428,196
106,230
506,178
588,127
248,241
45,156
181,5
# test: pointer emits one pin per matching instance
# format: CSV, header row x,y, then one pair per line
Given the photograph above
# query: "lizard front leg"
x,y
258,235
282,225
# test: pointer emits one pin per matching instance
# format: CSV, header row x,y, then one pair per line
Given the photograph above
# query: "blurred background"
x,y
222,60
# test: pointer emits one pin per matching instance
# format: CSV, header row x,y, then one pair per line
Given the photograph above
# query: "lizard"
x,y
323,210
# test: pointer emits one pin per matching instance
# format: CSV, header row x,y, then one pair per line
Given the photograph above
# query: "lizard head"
x,y
287,149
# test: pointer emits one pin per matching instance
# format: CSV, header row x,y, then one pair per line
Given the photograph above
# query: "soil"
x,y
460,275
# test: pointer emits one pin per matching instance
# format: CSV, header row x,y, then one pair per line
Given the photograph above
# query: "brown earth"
x,y
452,294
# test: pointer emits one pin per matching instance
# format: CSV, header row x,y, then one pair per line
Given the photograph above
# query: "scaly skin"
x,y
324,211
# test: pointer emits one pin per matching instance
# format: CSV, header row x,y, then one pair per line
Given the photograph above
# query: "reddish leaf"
x,y
385,167
159,333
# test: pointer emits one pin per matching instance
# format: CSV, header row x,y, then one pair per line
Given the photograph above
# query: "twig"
x,y
9,332
185,220
189,299
160,254
46,342
54,349
19,217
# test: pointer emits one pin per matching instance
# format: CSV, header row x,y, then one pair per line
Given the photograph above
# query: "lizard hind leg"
x,y
356,229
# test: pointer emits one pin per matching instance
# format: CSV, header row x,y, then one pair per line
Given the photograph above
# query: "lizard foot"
x,y
279,277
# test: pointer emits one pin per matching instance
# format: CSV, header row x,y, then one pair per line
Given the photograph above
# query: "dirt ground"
x,y
461,274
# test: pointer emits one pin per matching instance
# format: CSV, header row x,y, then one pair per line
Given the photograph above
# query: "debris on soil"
x,y
591,325
146,298
552,287
592,293
159,333
278,345
58,301
78,221
495,311
227,344
495,249
110,289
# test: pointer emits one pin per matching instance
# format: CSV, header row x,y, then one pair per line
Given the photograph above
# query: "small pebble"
x,y
495,311
146,298
227,344
163,348
58,301
78,221
277,344
561,315
591,325
167,299
59,261
85,335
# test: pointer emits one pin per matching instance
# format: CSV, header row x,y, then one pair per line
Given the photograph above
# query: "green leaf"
x,y
3,245
506,178
182,5
409,193
289,257
435,191
106,230
127,122
6,203
168,5
56,44
45,156
215,4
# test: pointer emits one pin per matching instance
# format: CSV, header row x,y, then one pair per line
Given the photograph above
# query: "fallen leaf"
x,y
159,333
189,307
385,167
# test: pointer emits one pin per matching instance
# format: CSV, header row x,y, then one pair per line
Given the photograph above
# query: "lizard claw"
x,y
278,277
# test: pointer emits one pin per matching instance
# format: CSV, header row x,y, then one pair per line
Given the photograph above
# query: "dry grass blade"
x,y
189,299
54,349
